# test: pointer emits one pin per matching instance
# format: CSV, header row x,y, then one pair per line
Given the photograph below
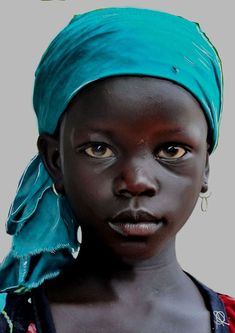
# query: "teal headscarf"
x,y
98,44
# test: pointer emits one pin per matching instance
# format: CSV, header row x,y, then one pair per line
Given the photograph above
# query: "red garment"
x,y
229,304
32,328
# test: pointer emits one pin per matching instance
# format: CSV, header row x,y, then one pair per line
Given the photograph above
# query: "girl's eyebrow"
x,y
110,132
172,130
179,132
93,130
115,132
75,133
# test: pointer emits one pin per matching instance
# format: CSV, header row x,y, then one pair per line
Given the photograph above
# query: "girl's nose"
x,y
135,181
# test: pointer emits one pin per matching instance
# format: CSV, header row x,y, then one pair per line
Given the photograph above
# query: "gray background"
x,y
206,244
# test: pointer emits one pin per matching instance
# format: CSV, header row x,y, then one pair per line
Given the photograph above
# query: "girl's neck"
x,y
162,270
102,274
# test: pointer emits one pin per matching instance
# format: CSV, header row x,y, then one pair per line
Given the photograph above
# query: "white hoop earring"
x,y
55,191
204,201
79,239
79,235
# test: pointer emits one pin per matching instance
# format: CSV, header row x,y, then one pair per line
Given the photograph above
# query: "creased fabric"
x,y
95,45
44,232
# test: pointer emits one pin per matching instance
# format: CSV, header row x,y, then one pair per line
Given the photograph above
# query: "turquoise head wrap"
x,y
98,44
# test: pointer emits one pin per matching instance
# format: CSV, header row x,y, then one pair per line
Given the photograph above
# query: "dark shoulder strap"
x,y
215,305
42,312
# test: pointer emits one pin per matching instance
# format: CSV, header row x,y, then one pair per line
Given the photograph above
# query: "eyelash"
x,y
176,146
91,145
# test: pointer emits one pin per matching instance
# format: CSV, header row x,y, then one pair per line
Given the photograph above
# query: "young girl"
x,y
128,103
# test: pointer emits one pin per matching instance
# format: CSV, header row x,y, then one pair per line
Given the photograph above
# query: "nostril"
x,y
125,193
149,192
129,194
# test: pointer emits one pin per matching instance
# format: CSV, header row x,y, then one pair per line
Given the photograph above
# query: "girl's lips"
x,y
136,229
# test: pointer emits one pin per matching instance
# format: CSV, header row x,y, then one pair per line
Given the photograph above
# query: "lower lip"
x,y
136,229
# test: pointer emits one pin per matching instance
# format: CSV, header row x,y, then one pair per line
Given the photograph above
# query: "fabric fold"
x,y
44,232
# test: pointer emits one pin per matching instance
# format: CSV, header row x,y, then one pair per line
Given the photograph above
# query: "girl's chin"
x,y
135,250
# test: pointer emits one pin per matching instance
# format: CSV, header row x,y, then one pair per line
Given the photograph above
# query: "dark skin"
x,y
136,144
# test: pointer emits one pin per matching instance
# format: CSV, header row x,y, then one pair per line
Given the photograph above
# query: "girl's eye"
x,y
99,151
171,152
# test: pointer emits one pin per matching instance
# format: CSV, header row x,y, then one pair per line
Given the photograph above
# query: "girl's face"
x,y
133,157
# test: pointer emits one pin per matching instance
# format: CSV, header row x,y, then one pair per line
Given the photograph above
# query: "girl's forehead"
x,y
136,104
122,85
129,96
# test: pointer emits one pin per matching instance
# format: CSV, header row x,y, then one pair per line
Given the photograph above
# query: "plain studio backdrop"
x,y
206,244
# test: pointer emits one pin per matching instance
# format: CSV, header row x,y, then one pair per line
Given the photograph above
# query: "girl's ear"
x,y
48,147
205,177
